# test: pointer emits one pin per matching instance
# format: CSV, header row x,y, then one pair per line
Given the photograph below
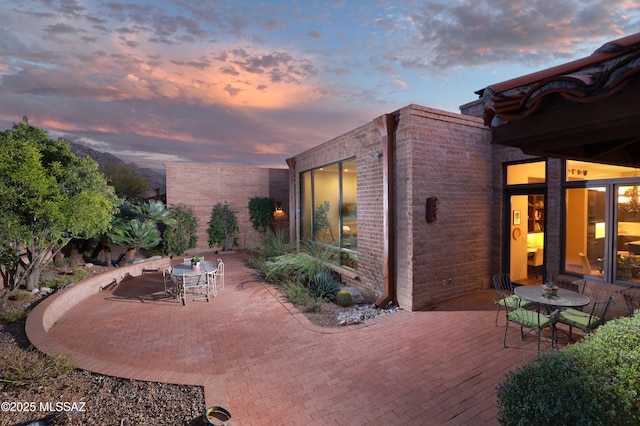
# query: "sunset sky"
x,y
256,82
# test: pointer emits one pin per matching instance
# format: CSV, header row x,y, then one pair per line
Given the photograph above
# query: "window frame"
x,y
610,254
347,257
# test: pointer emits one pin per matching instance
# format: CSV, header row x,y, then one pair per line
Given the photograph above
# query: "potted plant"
x,y
195,262
549,288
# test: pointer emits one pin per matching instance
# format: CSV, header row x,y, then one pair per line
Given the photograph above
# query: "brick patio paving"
x,y
264,361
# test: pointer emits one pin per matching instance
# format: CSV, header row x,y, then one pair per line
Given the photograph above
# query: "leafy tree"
x,y
223,227
128,183
49,195
181,236
137,228
261,213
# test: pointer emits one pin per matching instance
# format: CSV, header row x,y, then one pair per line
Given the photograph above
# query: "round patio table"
x,y
564,299
185,269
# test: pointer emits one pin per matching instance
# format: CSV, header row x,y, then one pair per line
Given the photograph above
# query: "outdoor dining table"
x,y
563,299
182,269
186,277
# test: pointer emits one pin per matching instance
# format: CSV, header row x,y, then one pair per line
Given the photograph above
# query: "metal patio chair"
x,y
528,318
212,283
169,284
194,284
220,275
585,320
504,288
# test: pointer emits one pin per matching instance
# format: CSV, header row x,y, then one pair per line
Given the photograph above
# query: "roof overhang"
x,y
586,110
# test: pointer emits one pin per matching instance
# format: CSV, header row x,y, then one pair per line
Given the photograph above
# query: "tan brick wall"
x,y
437,154
362,143
201,186
448,156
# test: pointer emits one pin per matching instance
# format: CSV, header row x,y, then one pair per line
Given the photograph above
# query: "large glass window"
x,y
602,232
329,210
526,173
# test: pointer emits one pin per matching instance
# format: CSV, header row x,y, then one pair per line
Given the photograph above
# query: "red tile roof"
x,y
605,72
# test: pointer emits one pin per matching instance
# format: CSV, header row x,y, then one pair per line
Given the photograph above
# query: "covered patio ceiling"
x,y
585,110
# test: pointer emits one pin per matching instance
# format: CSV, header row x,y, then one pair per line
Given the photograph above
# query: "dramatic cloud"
x,y
247,82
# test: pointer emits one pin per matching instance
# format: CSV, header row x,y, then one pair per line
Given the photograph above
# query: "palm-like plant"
x,y
135,234
155,211
137,227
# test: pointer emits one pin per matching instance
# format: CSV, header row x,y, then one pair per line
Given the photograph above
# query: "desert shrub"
x,y
21,295
344,298
27,368
181,235
300,297
62,281
223,227
278,242
593,382
14,316
257,263
323,286
261,213
299,266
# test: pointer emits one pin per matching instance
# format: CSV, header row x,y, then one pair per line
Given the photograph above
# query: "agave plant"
x,y
324,286
134,234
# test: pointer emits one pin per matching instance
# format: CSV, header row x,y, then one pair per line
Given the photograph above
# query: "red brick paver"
x,y
266,363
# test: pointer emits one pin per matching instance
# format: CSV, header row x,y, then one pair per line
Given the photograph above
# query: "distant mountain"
x,y
156,180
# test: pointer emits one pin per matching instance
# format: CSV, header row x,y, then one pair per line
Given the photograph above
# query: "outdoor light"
x,y
278,206
432,209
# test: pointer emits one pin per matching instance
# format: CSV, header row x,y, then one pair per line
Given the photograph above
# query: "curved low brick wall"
x,y
50,310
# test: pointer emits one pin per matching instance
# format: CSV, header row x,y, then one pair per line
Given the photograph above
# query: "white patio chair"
x,y
220,274
212,282
195,284
169,285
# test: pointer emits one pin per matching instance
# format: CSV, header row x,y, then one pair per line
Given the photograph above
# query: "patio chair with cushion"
x,y
504,287
195,284
586,320
529,318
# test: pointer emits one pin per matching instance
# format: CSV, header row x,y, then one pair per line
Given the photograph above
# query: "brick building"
x,y
540,176
201,186
400,160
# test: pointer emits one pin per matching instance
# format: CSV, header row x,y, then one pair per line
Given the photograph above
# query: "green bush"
x,y
298,266
278,242
323,286
223,227
593,382
300,297
261,213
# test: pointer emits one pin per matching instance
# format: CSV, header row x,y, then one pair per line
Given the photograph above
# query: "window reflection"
x,y
585,231
329,210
